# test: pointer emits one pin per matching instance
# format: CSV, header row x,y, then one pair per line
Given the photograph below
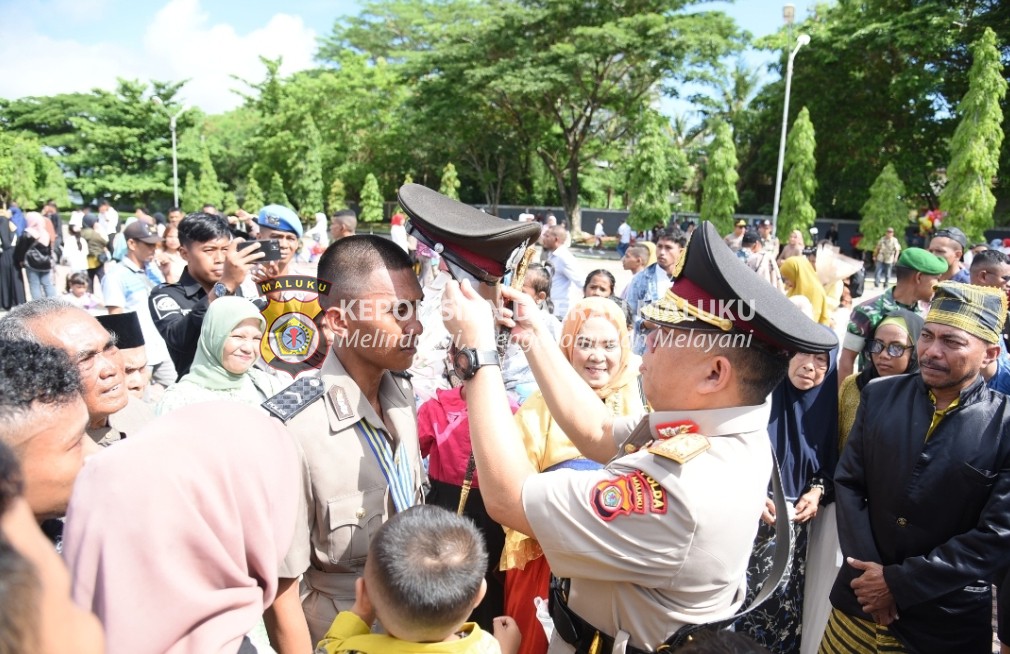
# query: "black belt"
x,y
584,637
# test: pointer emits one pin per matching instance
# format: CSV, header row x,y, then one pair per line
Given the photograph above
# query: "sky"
x,y
64,46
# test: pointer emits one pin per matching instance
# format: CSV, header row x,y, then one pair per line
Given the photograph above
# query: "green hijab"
x,y
224,315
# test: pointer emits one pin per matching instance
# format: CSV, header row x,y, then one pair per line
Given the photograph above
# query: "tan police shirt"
x,y
125,422
651,544
345,495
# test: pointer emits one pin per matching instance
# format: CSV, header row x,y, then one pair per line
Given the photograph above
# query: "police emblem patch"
x,y
632,493
294,340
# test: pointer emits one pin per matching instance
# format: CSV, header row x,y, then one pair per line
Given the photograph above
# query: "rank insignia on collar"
x,y
670,429
680,448
290,402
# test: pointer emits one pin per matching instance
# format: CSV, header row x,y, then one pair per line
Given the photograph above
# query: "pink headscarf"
x,y
174,536
39,227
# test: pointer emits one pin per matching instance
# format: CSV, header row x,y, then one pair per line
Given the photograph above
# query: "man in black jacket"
x,y
922,489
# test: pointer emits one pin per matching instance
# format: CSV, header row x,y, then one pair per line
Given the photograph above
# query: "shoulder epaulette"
x,y
290,402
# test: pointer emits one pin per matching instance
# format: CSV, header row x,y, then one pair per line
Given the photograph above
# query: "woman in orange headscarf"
x,y
801,279
595,339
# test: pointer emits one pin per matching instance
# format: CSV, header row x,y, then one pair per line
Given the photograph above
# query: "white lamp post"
x,y
801,41
175,156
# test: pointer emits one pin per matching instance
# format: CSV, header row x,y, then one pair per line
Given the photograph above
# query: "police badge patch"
x,y
294,340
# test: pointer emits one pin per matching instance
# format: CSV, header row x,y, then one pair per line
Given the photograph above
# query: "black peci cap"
x,y
125,327
715,289
483,245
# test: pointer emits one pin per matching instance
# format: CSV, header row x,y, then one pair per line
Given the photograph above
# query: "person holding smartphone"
x,y
278,223
215,267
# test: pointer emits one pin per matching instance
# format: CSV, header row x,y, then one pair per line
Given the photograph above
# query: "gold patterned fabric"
x,y
978,310
848,635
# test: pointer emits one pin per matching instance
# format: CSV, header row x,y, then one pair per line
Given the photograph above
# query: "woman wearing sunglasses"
x,y
891,351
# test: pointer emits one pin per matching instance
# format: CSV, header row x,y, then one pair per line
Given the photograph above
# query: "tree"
x,y
450,182
208,189
565,77
648,177
27,175
337,199
276,194
371,201
253,200
407,179
885,209
190,195
795,211
719,196
967,198
307,167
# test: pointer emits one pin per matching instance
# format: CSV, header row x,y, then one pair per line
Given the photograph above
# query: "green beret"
x,y
923,261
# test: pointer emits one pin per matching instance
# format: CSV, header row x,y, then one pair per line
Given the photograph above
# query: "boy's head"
x,y
425,573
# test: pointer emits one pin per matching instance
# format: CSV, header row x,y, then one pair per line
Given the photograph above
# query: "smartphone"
x,y
271,249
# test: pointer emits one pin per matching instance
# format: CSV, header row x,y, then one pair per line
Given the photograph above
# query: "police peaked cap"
x,y
125,327
481,244
715,289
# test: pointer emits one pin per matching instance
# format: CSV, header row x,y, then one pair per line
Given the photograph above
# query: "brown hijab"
x,y
174,536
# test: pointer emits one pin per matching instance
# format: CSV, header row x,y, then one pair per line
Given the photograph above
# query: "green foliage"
x,y
307,169
796,211
967,198
649,177
337,198
253,200
450,182
885,76
407,179
208,189
231,205
190,192
371,201
27,176
719,196
885,208
276,194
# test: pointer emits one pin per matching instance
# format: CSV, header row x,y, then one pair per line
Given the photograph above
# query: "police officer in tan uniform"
x,y
356,431
661,537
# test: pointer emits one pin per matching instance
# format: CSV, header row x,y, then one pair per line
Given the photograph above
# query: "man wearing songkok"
x,y
922,489
660,538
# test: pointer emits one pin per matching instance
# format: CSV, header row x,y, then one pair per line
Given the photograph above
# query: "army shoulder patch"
x,y
290,402
632,493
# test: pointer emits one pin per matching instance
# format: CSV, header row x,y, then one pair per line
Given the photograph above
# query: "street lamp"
x,y
801,41
175,156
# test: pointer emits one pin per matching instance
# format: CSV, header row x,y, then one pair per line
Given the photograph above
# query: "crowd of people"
x,y
431,443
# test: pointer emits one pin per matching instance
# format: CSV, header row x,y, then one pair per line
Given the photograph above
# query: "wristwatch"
x,y
220,290
466,361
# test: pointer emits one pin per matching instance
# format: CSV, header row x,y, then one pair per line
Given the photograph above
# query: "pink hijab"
x,y
39,227
174,536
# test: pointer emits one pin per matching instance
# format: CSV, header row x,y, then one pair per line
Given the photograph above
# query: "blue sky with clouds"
x,y
55,46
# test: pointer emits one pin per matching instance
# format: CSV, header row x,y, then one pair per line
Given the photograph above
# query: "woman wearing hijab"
x,y
97,252
801,279
802,428
165,572
891,352
34,251
222,369
596,340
